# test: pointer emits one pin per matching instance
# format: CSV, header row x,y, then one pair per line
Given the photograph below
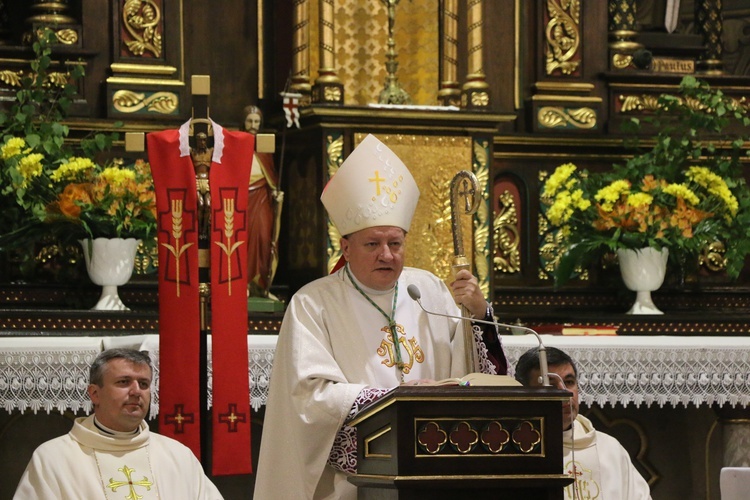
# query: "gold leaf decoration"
x,y
507,259
562,35
558,117
11,78
127,101
141,19
334,159
67,36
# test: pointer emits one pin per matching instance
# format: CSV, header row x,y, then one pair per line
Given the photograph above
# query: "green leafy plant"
x,y
50,188
686,193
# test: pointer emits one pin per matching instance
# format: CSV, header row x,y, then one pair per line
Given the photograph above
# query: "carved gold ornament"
x,y
334,159
563,35
557,117
141,19
67,36
127,101
507,259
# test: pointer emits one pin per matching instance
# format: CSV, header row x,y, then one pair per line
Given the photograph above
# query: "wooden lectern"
x,y
451,442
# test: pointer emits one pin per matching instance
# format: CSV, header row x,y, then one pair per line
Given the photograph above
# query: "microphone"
x,y
416,296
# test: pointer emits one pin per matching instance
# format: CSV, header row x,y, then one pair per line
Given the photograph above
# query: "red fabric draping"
x,y
179,308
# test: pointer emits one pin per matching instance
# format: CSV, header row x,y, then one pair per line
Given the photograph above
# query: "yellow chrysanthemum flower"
x,y
715,185
72,168
13,147
117,176
579,202
610,194
682,191
640,199
613,191
30,167
561,210
559,179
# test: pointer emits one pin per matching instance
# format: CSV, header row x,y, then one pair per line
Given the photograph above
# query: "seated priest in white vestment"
x,y
112,454
336,350
600,465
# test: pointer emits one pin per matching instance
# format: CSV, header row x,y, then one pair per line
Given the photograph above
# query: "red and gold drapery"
x,y
179,307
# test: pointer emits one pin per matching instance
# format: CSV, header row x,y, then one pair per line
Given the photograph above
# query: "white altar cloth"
x,y
643,370
46,373
52,373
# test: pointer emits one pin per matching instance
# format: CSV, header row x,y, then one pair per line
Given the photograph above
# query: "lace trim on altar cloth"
x,y
343,454
658,372
51,374
38,379
260,362
33,377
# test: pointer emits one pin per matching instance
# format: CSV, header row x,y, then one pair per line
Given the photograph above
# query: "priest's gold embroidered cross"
x,y
144,483
391,328
584,486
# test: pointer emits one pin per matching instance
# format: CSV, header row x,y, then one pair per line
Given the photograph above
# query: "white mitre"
x,y
372,187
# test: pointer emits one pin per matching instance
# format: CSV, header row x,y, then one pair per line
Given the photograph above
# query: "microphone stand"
x,y
416,295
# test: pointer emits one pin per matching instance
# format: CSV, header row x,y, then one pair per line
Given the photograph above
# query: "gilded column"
x,y
449,93
328,87
562,33
475,90
710,24
301,51
622,32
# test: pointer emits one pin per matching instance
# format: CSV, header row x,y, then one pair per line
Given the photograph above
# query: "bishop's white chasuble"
x,y
332,344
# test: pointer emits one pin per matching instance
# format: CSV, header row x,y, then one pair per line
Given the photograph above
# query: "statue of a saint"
x,y
264,205
201,155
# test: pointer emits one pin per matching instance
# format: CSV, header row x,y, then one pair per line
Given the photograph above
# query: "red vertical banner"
x,y
179,315
179,306
229,181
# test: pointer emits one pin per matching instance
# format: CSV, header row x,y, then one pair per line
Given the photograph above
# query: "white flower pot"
x,y
110,264
643,272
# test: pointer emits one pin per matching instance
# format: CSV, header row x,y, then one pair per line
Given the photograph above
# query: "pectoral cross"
x,y
144,483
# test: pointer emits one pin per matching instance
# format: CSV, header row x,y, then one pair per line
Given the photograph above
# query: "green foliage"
x,y
685,193
53,189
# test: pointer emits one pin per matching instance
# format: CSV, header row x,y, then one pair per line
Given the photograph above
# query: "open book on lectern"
x,y
479,379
